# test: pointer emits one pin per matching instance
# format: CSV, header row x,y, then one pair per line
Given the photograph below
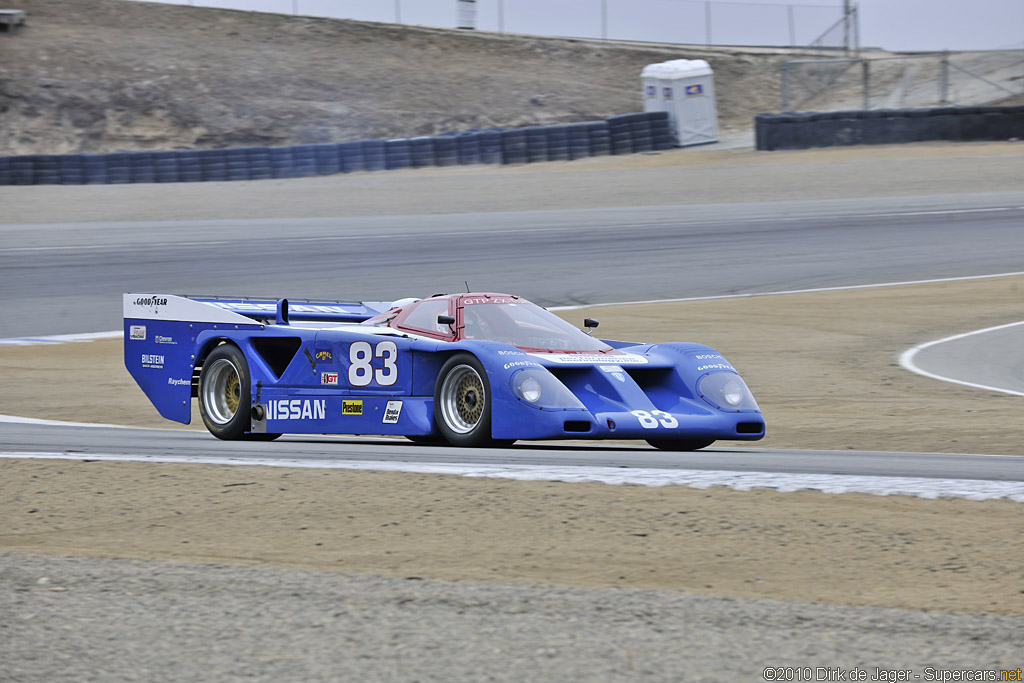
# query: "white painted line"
x,y
815,290
62,338
16,419
907,359
700,479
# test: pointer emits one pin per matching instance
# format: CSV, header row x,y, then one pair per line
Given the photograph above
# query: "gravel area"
x,y
134,621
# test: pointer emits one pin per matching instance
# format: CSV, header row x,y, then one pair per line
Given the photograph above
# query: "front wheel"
x,y
680,444
224,392
462,402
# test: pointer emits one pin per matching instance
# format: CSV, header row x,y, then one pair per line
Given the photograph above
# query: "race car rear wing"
x,y
161,333
216,309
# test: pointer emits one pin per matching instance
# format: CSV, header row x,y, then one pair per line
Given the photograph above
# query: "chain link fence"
x,y
923,80
691,22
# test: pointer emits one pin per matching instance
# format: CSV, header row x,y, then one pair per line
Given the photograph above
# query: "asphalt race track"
x,y
67,278
181,446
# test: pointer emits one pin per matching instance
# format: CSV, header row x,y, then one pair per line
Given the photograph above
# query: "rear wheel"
x,y
224,395
680,444
462,402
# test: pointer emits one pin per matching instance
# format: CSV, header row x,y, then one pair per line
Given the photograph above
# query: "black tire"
x,y
680,444
462,402
224,394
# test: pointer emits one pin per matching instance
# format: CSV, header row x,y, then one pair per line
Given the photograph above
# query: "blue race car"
x,y
469,369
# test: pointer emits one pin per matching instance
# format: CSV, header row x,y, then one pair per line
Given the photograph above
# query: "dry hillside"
x,y
114,75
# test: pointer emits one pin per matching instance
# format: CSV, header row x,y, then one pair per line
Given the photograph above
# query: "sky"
x,y
899,25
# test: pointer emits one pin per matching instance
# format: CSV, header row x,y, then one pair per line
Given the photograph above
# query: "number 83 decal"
x,y
361,372
654,419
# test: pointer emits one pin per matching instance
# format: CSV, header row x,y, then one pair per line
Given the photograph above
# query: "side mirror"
x,y
445,320
590,324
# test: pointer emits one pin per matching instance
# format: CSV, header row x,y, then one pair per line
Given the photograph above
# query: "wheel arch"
x,y
204,348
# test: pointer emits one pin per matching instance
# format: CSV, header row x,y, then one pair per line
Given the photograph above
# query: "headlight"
x,y
726,391
529,390
540,389
732,392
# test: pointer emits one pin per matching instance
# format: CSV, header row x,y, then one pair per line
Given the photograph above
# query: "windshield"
x,y
525,325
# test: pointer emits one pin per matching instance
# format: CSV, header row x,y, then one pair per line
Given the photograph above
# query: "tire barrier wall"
x,y
887,126
624,134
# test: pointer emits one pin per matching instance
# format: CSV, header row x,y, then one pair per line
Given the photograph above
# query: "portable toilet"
x,y
685,89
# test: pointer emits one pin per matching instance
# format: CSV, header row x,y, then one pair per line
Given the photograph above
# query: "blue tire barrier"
x,y
375,155
513,146
95,169
213,165
665,141
536,144
842,128
350,157
626,119
260,166
446,152
421,151
236,163
70,169
23,169
622,143
327,160
600,138
490,146
873,129
643,143
47,171
579,140
580,151
189,167
141,164
1002,126
303,161
467,148
165,167
943,123
624,133
825,129
119,169
558,142
398,153
236,171
281,164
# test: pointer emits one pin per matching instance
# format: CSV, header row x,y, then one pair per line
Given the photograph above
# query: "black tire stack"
x,y
627,133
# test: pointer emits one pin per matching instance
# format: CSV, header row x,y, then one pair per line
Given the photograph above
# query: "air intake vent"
x,y
577,426
277,351
750,427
